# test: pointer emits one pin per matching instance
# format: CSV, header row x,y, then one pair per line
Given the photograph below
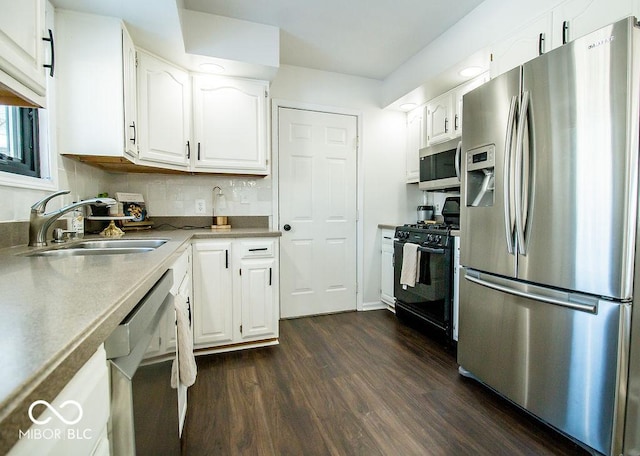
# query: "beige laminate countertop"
x,y
56,311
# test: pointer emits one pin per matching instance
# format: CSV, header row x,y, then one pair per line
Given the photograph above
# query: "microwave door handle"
x,y
457,159
519,184
508,175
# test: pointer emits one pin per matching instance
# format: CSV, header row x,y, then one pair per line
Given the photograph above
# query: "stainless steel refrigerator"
x,y
549,229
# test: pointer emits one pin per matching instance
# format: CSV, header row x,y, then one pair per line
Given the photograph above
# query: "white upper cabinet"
x,y
458,93
22,48
230,125
415,141
90,87
444,113
129,62
526,43
440,119
164,106
575,18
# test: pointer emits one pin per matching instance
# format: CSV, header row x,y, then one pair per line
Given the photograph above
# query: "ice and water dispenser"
x,y
480,176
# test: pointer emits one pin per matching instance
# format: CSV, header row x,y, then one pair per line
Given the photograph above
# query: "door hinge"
x,y
240,329
266,94
136,59
240,271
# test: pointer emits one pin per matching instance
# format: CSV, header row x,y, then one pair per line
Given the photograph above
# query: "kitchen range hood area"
x,y
327,228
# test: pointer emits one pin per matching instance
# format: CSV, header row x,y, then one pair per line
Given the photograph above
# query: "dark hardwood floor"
x,y
353,384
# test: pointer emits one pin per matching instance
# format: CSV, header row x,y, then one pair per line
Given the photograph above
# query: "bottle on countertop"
x,y
75,223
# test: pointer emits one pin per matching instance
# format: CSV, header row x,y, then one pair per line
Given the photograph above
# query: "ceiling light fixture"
x,y
470,72
408,106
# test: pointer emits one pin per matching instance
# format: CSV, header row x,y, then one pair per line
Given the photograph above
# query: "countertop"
x,y
56,311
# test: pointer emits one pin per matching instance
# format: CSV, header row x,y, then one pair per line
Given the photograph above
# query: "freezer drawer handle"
x,y
523,294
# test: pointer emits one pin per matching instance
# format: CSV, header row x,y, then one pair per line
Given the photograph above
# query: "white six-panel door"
x,y
317,200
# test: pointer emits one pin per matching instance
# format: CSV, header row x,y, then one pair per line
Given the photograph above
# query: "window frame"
x,y
27,131
48,169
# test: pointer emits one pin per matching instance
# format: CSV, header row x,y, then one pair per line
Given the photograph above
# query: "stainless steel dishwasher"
x,y
144,407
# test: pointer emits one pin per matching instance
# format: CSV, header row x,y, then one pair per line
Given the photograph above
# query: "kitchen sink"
x,y
102,247
119,244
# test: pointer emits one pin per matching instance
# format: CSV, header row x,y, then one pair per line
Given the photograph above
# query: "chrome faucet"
x,y
39,221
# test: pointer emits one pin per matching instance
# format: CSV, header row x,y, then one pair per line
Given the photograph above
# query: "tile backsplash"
x,y
170,195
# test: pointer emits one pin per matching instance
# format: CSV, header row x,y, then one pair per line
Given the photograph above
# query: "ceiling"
x,y
368,38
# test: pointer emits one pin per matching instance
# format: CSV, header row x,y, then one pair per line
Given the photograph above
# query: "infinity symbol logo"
x,y
55,412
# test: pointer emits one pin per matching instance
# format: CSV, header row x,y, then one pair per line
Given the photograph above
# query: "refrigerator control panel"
x,y
482,157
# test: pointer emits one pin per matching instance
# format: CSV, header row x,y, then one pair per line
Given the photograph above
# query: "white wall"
x,y
490,22
387,199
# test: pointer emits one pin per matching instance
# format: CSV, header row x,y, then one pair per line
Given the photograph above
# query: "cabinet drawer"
x,y
256,249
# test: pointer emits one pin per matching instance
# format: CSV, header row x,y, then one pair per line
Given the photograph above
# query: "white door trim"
x,y
277,103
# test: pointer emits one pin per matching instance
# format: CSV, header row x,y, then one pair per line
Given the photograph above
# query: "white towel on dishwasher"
x,y
184,366
410,264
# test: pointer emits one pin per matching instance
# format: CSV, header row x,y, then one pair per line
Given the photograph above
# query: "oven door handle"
x,y
431,250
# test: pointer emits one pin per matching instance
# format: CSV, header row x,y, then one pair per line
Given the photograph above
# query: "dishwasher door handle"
x,y
133,328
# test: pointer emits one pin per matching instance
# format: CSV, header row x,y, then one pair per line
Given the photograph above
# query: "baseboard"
x,y
375,305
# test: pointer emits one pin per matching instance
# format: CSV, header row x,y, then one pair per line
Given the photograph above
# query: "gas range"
x,y
432,235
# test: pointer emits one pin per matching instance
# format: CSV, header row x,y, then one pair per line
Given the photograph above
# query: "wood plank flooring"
x,y
358,383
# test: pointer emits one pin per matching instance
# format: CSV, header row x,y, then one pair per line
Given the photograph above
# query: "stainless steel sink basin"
x,y
119,243
103,247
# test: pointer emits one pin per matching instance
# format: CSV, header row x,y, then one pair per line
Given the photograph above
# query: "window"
x,y
19,141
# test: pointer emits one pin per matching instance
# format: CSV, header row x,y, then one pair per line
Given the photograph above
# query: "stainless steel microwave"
x,y
440,166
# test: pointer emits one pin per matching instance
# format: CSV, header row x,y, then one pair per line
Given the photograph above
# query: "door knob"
x,y
287,227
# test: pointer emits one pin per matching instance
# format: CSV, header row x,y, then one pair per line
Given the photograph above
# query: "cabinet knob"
x,y
287,227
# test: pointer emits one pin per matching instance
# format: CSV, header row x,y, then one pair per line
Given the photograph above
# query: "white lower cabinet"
x,y
212,293
235,286
387,268
76,420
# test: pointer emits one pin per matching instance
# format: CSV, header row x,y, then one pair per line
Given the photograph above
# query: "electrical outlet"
x,y
437,207
201,206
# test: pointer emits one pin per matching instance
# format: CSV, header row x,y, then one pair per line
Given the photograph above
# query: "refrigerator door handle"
x,y
584,307
508,175
457,159
519,184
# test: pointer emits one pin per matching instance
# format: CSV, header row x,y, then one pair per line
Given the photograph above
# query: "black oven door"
x,y
430,298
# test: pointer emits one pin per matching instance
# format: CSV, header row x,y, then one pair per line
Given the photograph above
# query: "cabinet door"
x,y
89,85
163,103
576,18
386,272
525,44
21,44
415,141
230,125
129,89
259,315
439,119
458,94
212,303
